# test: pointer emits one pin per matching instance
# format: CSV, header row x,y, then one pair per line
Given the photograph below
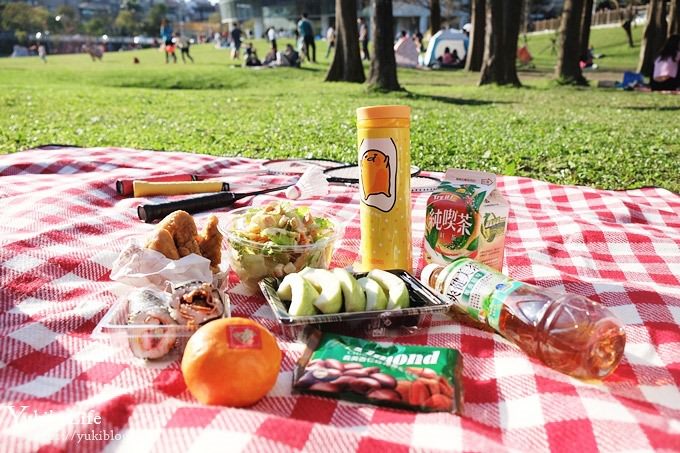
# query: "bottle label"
x,y
471,285
378,164
500,296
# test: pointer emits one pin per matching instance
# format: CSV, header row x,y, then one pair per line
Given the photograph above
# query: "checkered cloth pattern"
x,y
62,225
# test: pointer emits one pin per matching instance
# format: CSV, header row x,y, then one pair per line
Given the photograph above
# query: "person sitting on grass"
x,y
586,60
666,76
290,57
449,59
250,58
270,58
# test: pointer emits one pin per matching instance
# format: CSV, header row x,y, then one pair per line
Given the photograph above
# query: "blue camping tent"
x,y
453,39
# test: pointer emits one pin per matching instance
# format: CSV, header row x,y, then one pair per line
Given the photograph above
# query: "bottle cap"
x,y
383,111
427,273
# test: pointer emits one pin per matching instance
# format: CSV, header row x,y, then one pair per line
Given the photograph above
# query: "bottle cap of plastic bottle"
x,y
427,273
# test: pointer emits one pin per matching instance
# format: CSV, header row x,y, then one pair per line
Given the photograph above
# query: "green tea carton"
x,y
466,216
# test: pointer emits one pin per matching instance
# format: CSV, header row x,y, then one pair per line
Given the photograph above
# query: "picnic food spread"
x,y
170,342
465,218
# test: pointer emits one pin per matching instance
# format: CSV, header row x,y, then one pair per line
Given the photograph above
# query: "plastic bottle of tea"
x,y
567,332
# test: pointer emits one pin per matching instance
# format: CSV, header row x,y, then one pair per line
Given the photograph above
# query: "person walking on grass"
x,y
42,52
167,38
307,32
271,36
363,39
235,41
183,43
330,38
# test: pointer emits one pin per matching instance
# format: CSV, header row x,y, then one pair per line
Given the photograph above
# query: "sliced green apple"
x,y
397,292
375,295
352,294
302,295
330,297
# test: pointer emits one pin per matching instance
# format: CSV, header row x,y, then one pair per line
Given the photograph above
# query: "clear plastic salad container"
x,y
272,242
375,324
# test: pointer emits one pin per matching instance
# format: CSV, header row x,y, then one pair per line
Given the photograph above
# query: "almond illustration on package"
x,y
414,377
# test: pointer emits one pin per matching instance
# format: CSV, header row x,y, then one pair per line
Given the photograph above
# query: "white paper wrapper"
x,y
139,266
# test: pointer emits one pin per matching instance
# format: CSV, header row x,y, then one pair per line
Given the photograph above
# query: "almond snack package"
x,y
466,216
419,378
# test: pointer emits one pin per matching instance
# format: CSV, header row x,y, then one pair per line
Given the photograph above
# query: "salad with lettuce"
x,y
278,239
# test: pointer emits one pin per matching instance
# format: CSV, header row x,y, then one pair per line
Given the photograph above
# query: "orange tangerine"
x,y
231,362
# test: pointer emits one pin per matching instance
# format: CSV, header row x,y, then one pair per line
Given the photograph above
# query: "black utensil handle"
x,y
152,212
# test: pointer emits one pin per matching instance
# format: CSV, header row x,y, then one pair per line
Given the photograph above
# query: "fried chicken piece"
x,y
210,243
182,228
161,241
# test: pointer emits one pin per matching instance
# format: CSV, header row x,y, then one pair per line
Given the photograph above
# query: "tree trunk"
x,y
586,20
475,55
674,17
503,19
435,17
346,65
383,75
568,70
654,36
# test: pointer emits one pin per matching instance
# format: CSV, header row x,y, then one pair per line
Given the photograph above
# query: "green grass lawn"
x,y
591,136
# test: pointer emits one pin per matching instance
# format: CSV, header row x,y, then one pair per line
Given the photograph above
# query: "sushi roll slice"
x,y
195,303
149,310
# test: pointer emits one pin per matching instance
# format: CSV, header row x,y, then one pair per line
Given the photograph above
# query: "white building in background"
x,y
284,14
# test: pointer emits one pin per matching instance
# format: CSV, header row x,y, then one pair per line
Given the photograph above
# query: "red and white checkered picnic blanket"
x,y
62,224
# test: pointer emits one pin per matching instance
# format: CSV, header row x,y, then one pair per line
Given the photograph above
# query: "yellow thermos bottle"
x,y
384,141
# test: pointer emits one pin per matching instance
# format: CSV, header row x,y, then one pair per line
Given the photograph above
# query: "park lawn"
x,y
610,42
597,137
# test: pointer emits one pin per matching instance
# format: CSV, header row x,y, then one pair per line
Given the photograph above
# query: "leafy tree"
x,y
568,70
503,20
153,19
475,55
383,75
126,23
346,65
96,26
653,37
68,20
24,19
131,5
17,16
